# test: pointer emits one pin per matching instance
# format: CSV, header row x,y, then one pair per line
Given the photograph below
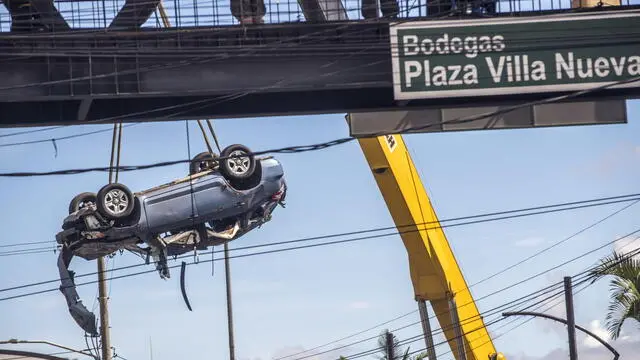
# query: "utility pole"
x,y
102,271
104,311
232,351
571,321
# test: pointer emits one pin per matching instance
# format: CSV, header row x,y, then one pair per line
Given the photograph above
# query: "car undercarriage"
x,y
156,224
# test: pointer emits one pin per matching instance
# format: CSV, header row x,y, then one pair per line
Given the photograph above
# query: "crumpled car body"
x,y
204,209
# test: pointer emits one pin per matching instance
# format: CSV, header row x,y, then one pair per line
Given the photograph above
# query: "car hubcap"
x,y
239,165
116,201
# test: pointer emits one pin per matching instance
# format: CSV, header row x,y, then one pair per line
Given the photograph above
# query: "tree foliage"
x,y
624,302
396,351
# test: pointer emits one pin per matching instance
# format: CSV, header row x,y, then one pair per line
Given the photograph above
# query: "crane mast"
x,y
435,273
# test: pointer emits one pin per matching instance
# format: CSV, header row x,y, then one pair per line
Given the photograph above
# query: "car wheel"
x,y
202,162
81,201
250,182
115,201
238,168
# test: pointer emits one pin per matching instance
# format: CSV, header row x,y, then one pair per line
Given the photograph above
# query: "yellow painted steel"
x,y
434,270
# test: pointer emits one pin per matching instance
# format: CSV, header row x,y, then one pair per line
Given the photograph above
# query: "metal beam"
x,y
434,270
323,10
34,15
202,72
134,14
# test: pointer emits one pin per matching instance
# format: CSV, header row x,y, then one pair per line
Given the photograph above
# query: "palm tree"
x,y
624,301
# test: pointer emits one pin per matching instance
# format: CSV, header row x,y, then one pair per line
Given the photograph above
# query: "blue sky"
x,y
288,301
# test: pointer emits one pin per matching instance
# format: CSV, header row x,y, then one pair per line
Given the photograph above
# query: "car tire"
x,y
235,169
250,182
201,162
115,201
78,202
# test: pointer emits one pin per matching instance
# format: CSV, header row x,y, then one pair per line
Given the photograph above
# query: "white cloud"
x,y
626,245
359,305
626,349
596,328
616,158
529,242
627,345
554,307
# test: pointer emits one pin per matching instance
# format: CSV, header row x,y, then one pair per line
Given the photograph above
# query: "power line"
x,y
585,277
544,210
411,339
324,145
500,308
522,299
295,248
510,321
472,285
28,243
17,133
622,198
29,142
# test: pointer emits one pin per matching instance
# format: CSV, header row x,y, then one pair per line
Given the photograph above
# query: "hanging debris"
x,y
219,201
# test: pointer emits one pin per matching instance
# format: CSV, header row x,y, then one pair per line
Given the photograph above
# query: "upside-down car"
x,y
222,199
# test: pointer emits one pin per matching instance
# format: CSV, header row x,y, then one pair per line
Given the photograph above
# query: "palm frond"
x,y
624,304
617,264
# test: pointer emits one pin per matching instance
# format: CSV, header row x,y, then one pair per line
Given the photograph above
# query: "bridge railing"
x,y
189,13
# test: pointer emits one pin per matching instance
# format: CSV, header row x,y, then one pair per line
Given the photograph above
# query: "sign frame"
x,y
399,94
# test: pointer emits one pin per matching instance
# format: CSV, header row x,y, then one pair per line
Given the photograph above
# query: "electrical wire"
x,y
499,308
324,145
523,322
412,339
17,133
439,223
73,136
584,277
507,215
496,310
623,258
241,95
296,248
474,284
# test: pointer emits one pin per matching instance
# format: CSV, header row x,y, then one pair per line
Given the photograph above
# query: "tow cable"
x,y
183,267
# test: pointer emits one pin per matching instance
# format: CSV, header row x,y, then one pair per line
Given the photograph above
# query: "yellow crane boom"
x,y
435,274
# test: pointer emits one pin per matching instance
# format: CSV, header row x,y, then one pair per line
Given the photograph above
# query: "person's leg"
x,y
390,8
241,10
369,9
259,11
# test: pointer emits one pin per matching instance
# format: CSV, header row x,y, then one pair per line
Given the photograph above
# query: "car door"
x,y
169,207
215,199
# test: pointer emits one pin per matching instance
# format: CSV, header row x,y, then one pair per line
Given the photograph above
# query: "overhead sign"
x,y
438,59
601,112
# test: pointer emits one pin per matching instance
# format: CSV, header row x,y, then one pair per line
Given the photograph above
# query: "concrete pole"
x,y
571,321
104,311
232,351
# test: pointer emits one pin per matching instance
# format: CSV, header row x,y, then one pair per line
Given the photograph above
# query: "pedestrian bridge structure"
x,y
76,61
